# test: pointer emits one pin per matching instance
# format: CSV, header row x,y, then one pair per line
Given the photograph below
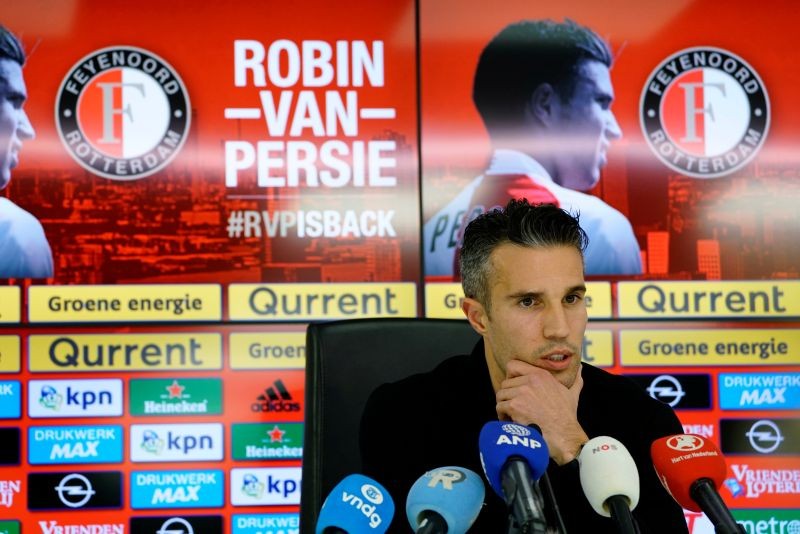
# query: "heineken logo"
x,y
184,396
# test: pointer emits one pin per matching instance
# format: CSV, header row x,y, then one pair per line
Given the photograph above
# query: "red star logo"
x,y
276,434
175,390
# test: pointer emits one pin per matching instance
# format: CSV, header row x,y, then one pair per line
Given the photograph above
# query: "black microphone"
x,y
551,508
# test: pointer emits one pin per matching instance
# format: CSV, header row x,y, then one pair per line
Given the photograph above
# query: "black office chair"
x,y
345,361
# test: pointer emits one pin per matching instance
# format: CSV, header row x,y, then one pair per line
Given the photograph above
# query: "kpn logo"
x,y
176,396
75,398
275,398
265,486
176,442
122,112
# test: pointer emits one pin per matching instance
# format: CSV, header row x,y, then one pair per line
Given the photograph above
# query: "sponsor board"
x,y
760,436
759,391
176,442
10,451
124,352
10,304
51,526
265,524
9,489
706,430
265,486
768,521
10,356
75,398
762,482
177,489
713,299
75,490
9,527
266,396
86,444
284,350
443,300
718,347
267,441
303,302
10,399
175,396
680,391
183,524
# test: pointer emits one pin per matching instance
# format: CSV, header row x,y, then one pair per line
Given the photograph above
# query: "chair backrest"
x,y
345,361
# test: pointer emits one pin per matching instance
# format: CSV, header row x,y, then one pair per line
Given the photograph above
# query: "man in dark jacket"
x,y
522,273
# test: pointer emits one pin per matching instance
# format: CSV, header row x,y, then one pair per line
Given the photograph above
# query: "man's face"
x,y
14,124
586,126
538,313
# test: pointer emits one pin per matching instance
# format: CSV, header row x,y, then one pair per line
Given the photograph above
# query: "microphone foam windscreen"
x,y
455,493
608,469
681,460
357,504
500,441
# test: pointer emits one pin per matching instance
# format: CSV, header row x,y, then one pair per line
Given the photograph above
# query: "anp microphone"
x,y
356,505
445,500
514,457
610,480
691,469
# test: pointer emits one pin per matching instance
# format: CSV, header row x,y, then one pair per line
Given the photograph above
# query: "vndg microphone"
x,y
357,505
691,469
445,500
610,480
514,457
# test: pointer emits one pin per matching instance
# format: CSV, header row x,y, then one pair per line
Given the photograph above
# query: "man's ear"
x,y
542,105
476,314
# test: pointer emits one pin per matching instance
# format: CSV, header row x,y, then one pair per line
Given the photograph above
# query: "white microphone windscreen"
x,y
607,469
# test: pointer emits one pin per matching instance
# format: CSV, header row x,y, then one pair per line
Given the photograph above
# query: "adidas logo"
x,y
275,398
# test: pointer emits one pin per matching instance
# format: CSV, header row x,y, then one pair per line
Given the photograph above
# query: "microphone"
x,y
514,457
445,500
356,505
691,469
610,480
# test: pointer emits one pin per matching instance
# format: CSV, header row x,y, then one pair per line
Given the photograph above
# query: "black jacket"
x,y
433,420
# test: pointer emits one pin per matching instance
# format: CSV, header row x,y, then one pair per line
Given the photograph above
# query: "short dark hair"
x,y
10,47
520,223
525,55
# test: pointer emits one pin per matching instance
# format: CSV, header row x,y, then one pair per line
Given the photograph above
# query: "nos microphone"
x,y
356,505
691,469
610,480
514,457
445,500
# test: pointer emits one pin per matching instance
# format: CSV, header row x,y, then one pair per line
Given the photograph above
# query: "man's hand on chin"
x,y
532,395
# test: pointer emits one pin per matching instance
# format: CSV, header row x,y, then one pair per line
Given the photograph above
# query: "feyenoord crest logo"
x,y
704,112
122,112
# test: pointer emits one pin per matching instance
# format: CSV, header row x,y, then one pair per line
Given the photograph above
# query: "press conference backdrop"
x,y
211,178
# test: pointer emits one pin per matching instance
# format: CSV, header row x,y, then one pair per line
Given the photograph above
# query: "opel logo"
x,y
764,436
666,389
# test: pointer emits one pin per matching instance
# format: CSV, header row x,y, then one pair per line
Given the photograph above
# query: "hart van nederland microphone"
x,y
445,500
691,469
514,457
357,505
610,480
